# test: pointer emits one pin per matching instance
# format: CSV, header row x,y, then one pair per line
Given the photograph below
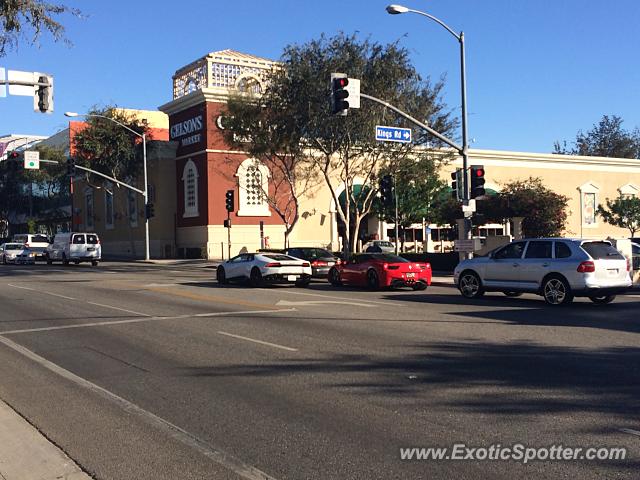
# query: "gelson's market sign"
x,y
186,131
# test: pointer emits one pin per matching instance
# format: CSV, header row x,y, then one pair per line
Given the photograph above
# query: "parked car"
x,y
381,270
16,253
635,254
379,246
321,260
261,268
37,243
559,269
74,247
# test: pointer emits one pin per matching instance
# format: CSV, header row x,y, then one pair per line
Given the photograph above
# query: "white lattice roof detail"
x,y
222,70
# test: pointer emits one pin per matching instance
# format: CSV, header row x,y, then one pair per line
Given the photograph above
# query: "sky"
x,y
538,71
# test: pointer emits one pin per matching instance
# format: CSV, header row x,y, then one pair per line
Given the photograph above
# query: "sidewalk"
x,y
25,454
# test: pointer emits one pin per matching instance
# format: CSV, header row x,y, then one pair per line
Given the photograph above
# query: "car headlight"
x,y
32,254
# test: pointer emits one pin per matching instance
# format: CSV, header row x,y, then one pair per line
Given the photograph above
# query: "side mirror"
x,y
492,255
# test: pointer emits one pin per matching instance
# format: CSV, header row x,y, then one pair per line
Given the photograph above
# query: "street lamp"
x,y
145,193
398,9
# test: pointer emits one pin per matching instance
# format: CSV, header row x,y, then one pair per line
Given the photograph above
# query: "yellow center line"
x,y
209,298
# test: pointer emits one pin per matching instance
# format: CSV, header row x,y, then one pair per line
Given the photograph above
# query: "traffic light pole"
x,y
395,195
228,235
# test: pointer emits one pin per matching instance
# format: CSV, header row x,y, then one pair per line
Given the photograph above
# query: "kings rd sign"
x,y
393,134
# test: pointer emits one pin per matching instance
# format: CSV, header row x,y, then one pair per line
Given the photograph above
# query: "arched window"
x,y
253,180
190,183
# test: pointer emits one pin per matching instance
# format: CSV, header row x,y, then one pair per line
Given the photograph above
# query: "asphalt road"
x,y
156,372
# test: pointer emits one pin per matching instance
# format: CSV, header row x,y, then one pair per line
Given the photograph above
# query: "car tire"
x,y
603,300
94,263
373,281
419,286
303,283
334,277
470,285
48,259
65,262
221,276
76,262
256,278
556,291
512,294
4,260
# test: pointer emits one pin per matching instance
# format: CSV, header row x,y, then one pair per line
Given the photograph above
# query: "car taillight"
x,y
385,266
318,263
587,267
273,264
628,265
305,264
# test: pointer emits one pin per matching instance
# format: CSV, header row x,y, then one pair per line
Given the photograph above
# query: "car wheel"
x,y
470,285
334,277
373,282
304,283
420,286
256,277
4,260
556,291
512,294
94,263
76,262
602,300
65,262
48,259
221,276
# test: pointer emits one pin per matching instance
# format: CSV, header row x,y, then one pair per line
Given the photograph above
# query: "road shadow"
x,y
487,378
622,316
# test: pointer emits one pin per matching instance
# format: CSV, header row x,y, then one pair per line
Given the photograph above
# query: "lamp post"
x,y
145,193
464,151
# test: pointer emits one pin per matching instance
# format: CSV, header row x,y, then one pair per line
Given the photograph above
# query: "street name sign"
x,y
32,160
393,134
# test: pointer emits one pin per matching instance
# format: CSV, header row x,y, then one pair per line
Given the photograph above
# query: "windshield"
x,y
316,253
280,257
14,246
387,257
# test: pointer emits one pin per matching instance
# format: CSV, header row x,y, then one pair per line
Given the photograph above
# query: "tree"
x,y
623,212
606,139
342,150
262,126
109,148
418,189
34,16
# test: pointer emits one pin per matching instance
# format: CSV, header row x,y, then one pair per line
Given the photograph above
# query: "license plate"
x,y
411,275
612,272
292,278
90,249
331,264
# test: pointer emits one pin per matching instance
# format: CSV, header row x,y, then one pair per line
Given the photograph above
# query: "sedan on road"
x,y
381,270
16,253
262,268
321,260
559,269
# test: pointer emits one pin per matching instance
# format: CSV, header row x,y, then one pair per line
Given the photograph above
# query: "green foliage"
x,y
418,189
606,139
544,211
622,212
109,148
344,148
17,17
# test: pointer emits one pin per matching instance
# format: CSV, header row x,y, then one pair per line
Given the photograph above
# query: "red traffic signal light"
x,y
477,181
339,94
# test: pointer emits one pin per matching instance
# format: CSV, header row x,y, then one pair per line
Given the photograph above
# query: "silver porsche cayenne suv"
x,y
559,269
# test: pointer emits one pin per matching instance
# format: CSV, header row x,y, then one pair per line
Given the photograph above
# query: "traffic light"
x,y
148,211
457,184
339,94
229,196
386,190
477,181
71,167
43,94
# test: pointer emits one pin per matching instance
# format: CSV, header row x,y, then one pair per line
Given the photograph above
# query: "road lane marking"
x,y
160,285
208,298
322,302
120,309
335,296
269,344
58,295
631,431
23,288
221,457
140,320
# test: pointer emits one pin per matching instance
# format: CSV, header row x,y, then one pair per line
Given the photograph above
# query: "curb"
x,y
26,454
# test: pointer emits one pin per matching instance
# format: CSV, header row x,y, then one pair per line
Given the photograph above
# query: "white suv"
x,y
559,269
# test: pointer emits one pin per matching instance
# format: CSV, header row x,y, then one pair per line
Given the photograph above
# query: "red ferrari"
x,y
381,270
